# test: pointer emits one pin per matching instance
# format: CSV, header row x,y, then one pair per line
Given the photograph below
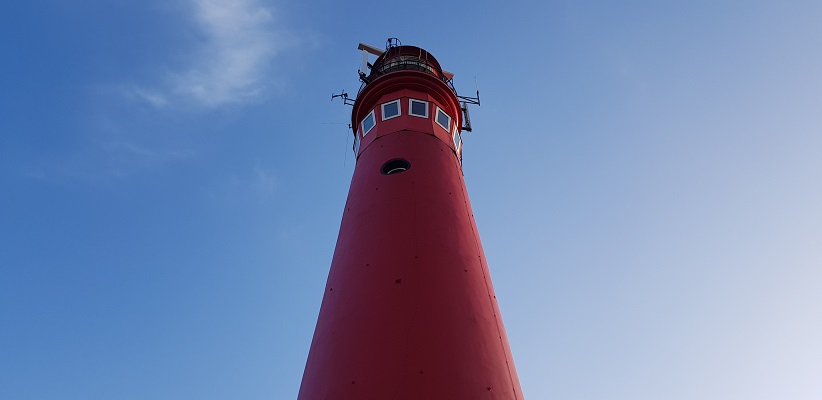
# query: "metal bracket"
x,y
466,100
346,100
466,119
470,100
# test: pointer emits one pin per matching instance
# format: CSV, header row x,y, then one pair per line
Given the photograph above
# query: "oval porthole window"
x,y
395,166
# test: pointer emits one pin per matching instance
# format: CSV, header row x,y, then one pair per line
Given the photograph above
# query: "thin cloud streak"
x,y
154,99
257,185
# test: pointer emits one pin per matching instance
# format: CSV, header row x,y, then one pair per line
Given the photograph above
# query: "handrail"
x,y
406,63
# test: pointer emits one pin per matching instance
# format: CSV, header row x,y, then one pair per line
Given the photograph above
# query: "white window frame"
x,y
437,119
364,131
411,108
399,109
457,138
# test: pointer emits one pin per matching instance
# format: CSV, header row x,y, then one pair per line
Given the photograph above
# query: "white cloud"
x,y
234,60
242,40
232,64
155,99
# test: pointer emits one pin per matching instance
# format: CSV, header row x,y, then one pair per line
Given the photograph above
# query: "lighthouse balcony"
x,y
408,63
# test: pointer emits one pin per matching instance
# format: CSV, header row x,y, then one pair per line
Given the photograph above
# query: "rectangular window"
x,y
443,119
457,143
418,108
391,110
367,123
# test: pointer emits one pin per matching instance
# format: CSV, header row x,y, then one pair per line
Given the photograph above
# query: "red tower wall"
x,y
409,311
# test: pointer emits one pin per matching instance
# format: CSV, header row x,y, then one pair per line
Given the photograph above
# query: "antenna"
x,y
466,100
471,100
364,66
466,118
346,100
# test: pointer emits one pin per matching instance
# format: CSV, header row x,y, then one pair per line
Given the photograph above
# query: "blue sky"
x,y
646,179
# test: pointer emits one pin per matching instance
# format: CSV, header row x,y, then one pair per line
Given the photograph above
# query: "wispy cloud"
x,y
233,57
257,184
230,53
265,181
241,41
126,156
154,99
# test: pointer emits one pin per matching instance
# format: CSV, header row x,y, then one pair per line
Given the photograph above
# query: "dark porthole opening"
x,y
395,166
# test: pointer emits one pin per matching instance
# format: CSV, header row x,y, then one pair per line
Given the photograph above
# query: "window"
x,y
356,143
391,110
418,108
443,119
368,123
395,166
457,139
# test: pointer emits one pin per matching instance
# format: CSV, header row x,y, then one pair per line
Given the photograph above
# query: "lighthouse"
x,y
408,311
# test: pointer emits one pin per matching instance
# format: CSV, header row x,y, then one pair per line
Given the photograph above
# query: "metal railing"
x,y
406,63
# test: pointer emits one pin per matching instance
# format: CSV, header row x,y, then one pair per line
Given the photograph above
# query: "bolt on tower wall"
x,y
409,312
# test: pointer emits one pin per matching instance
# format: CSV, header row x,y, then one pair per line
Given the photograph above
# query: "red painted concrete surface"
x,y
409,311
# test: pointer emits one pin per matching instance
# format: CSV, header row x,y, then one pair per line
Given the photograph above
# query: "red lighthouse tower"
x,y
409,312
